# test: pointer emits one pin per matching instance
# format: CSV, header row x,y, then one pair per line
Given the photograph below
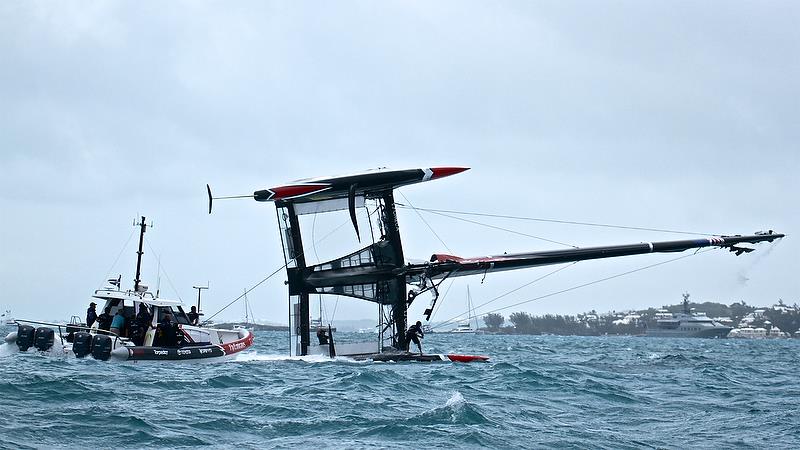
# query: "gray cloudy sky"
x,y
674,115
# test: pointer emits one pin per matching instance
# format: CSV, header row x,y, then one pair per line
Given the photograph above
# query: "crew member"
x,y
91,314
322,336
166,331
143,318
118,323
143,321
414,333
194,317
104,320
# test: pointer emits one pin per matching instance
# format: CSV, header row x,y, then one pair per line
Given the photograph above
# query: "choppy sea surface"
x,y
537,391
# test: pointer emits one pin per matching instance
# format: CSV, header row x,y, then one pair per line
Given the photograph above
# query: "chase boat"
x,y
135,341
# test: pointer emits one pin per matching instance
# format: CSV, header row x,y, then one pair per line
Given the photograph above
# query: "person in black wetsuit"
x,y
91,314
143,318
194,317
414,333
322,336
166,332
141,325
104,320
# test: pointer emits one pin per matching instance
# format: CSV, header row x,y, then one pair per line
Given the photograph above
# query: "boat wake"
x,y
10,348
7,349
255,356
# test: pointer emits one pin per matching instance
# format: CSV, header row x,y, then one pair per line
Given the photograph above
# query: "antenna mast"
x,y
199,289
137,280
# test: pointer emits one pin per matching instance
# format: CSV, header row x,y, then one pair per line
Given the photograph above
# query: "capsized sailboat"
x,y
164,333
379,272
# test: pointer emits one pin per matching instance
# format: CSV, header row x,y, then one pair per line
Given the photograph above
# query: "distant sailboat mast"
x,y
471,311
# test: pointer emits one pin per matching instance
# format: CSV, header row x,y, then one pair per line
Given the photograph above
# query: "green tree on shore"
x,y
493,321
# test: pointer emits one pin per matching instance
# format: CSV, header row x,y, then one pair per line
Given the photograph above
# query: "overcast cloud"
x,y
672,115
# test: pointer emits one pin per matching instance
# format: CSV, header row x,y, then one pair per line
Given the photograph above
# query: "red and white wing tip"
x,y
441,172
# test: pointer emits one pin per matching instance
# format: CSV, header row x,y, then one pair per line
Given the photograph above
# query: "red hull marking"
x,y
440,172
467,358
297,190
237,346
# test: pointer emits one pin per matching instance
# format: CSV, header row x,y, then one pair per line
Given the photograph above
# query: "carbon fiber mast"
x,y
398,300
299,312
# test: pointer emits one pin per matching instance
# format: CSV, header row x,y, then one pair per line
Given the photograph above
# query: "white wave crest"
x,y
456,400
254,356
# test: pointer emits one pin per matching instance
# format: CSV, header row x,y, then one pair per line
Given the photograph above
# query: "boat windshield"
x,y
179,315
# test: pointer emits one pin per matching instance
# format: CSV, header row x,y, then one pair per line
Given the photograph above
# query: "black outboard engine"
x,y
82,344
25,337
101,347
43,339
73,328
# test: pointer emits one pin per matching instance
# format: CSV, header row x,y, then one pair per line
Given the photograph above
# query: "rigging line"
x,y
313,242
369,220
566,222
425,221
439,305
333,231
117,260
249,306
165,272
271,275
335,307
449,321
500,228
248,290
597,281
323,308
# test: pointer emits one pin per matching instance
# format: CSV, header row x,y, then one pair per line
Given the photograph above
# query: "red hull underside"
x,y
467,358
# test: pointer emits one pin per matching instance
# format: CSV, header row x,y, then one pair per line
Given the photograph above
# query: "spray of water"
x,y
742,276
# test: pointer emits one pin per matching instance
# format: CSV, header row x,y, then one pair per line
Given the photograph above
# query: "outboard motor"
x,y
73,328
82,344
101,347
25,337
43,339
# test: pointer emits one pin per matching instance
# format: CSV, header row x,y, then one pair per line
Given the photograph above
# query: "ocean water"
x,y
537,392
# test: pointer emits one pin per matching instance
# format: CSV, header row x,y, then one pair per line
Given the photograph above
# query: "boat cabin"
x,y
129,301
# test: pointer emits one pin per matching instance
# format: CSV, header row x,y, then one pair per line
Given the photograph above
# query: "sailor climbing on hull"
x,y
414,334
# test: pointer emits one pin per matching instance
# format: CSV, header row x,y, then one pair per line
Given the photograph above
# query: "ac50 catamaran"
x,y
379,273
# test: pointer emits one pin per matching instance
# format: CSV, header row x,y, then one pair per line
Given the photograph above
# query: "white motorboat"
x,y
167,335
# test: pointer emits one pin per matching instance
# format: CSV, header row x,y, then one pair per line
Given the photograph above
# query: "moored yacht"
x,y
463,327
687,324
